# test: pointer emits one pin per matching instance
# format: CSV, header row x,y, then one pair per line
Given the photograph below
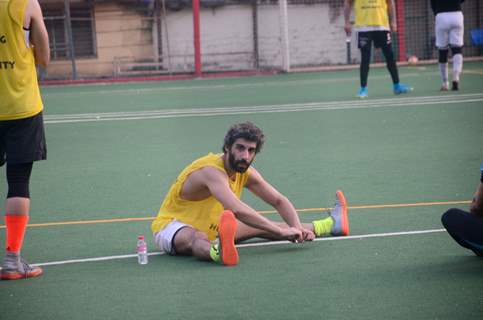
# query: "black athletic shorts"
x,y
22,140
380,38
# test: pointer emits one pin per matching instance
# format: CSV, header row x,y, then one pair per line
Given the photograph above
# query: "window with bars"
x,y
83,32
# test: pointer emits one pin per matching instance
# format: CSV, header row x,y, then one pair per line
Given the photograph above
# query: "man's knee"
x,y
443,55
199,239
18,179
365,54
456,50
446,217
451,218
388,52
187,240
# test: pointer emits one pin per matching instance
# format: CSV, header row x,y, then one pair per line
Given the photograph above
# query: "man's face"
x,y
241,155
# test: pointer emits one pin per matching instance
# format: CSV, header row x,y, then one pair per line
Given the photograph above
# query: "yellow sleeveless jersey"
x,y
371,13
19,90
203,215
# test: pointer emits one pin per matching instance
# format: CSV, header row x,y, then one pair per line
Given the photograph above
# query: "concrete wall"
x,y
227,37
315,36
121,34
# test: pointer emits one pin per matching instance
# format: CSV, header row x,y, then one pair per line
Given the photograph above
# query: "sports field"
x,y
114,150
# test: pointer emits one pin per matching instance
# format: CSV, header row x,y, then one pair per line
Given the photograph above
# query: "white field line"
x,y
296,107
217,87
245,245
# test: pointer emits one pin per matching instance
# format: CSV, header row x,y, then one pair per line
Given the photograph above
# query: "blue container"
x,y
477,36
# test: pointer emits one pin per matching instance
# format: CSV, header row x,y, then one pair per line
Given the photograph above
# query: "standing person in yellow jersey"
x,y
374,21
204,202
23,44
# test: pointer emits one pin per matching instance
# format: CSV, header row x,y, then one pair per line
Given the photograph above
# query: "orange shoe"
x,y
339,214
227,232
14,268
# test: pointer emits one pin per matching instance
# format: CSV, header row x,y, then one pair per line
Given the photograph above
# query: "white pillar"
x,y
155,35
284,35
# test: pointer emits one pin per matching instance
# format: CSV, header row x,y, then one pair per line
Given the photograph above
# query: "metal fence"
x,y
154,37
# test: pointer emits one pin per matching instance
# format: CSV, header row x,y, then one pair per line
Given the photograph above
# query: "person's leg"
x,y
441,32
456,34
178,238
465,228
2,146
189,241
364,42
22,143
390,62
365,65
457,66
17,207
182,239
245,232
382,39
337,224
443,68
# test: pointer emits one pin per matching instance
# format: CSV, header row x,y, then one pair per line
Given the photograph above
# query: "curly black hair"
x,y
247,131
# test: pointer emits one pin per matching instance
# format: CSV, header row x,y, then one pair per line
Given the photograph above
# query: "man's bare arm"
x,y
476,206
391,11
347,16
216,181
265,191
39,37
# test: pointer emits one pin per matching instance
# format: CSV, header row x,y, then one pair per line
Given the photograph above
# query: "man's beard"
x,y
236,165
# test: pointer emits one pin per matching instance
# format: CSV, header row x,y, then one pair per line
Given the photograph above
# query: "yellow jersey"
x,y
203,215
371,15
19,89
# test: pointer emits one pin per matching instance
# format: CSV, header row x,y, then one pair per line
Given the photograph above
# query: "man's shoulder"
x,y
208,172
208,158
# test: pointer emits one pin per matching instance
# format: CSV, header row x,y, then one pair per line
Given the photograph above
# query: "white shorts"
x,y
164,238
449,29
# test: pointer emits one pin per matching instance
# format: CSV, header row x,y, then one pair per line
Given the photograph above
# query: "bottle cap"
x,y
141,237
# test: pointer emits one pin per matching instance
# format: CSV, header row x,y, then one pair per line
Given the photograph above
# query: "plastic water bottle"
x,y
142,250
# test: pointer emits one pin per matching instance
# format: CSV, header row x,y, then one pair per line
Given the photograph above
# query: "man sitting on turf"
x,y
204,202
465,227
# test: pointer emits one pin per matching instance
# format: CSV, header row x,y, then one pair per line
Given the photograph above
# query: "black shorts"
x,y
380,38
22,140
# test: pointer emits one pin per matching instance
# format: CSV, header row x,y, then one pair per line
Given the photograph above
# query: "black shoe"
x,y
478,253
455,86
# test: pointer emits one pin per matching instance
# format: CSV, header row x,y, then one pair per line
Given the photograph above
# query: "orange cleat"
x,y
339,214
227,232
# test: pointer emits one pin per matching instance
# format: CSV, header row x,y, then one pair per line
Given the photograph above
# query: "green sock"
x,y
322,227
215,253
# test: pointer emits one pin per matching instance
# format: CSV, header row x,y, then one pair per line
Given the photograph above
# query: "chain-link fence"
x,y
154,37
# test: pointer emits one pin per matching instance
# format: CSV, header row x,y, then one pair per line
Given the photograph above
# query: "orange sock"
x,y
16,225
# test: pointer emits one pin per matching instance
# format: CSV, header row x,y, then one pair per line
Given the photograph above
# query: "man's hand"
x,y
308,235
292,234
348,29
476,206
393,26
347,15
